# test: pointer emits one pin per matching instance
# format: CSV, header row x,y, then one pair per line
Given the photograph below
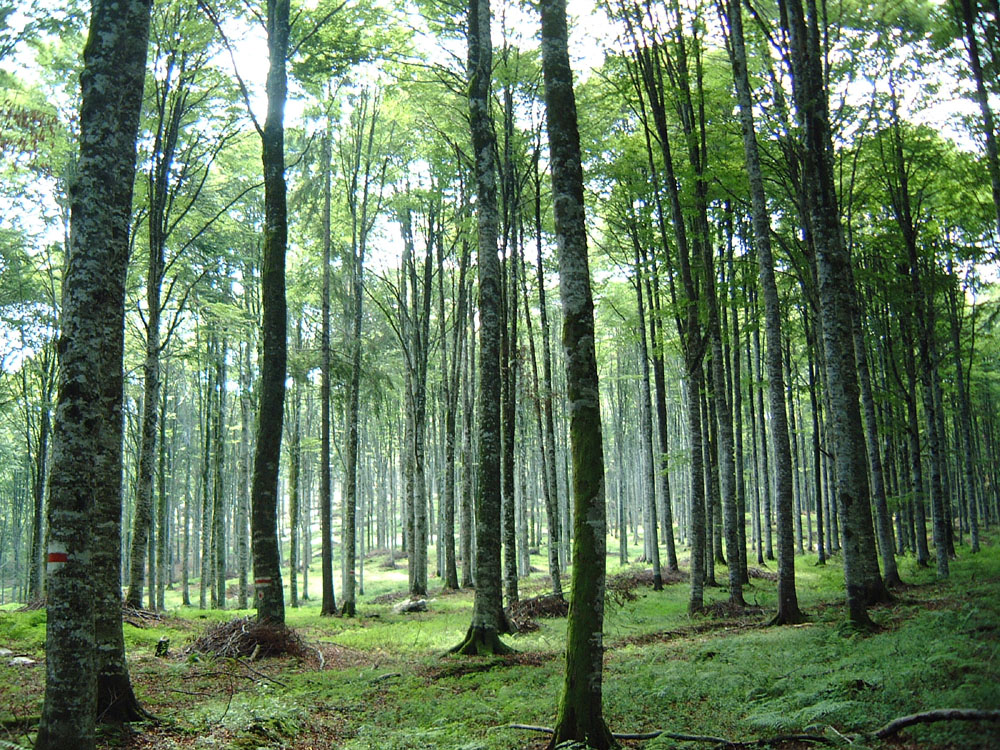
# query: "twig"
x,y
260,674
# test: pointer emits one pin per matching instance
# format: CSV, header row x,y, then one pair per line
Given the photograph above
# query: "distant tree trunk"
x,y
580,716
452,374
329,603
488,618
264,488
419,350
964,412
243,479
39,476
508,391
85,665
295,479
649,464
659,380
549,437
218,479
162,504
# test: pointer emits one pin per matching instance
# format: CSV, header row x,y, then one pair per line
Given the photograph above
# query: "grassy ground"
x,y
385,684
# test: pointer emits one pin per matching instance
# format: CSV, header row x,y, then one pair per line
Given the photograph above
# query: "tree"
x,y
83,645
788,608
488,618
580,714
836,296
270,412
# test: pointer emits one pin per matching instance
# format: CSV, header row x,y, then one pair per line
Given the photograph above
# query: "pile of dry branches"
x,y
245,637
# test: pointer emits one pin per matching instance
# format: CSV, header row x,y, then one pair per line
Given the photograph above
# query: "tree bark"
x,y
488,619
84,646
270,412
580,714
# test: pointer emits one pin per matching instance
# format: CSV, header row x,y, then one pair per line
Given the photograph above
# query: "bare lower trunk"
x,y
84,647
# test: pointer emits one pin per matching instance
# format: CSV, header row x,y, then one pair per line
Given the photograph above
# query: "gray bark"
x,y
84,645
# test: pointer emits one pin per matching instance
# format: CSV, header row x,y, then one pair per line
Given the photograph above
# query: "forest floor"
x,y
381,680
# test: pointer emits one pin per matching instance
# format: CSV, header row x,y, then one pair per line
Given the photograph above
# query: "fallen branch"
x,y
717,741
928,717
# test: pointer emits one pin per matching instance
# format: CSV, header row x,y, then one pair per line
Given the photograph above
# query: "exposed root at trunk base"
x,y
480,641
116,701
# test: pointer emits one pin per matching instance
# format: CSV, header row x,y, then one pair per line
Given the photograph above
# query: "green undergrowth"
x,y
382,679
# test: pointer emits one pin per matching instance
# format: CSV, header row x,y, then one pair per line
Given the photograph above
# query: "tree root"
x,y
480,641
892,728
928,717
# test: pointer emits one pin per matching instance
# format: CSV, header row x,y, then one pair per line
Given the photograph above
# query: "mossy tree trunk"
x,y
85,657
580,715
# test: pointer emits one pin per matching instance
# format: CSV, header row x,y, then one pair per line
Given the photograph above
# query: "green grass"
x,y
386,684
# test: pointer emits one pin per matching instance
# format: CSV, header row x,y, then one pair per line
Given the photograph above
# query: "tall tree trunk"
x,y
488,619
580,714
329,603
85,665
836,294
264,488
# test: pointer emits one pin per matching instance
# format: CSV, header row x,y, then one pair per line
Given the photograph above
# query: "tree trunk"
x,y
329,603
264,487
836,295
488,619
580,714
84,647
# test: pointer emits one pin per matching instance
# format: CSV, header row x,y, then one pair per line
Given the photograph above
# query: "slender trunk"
x,y
329,603
270,413
580,711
